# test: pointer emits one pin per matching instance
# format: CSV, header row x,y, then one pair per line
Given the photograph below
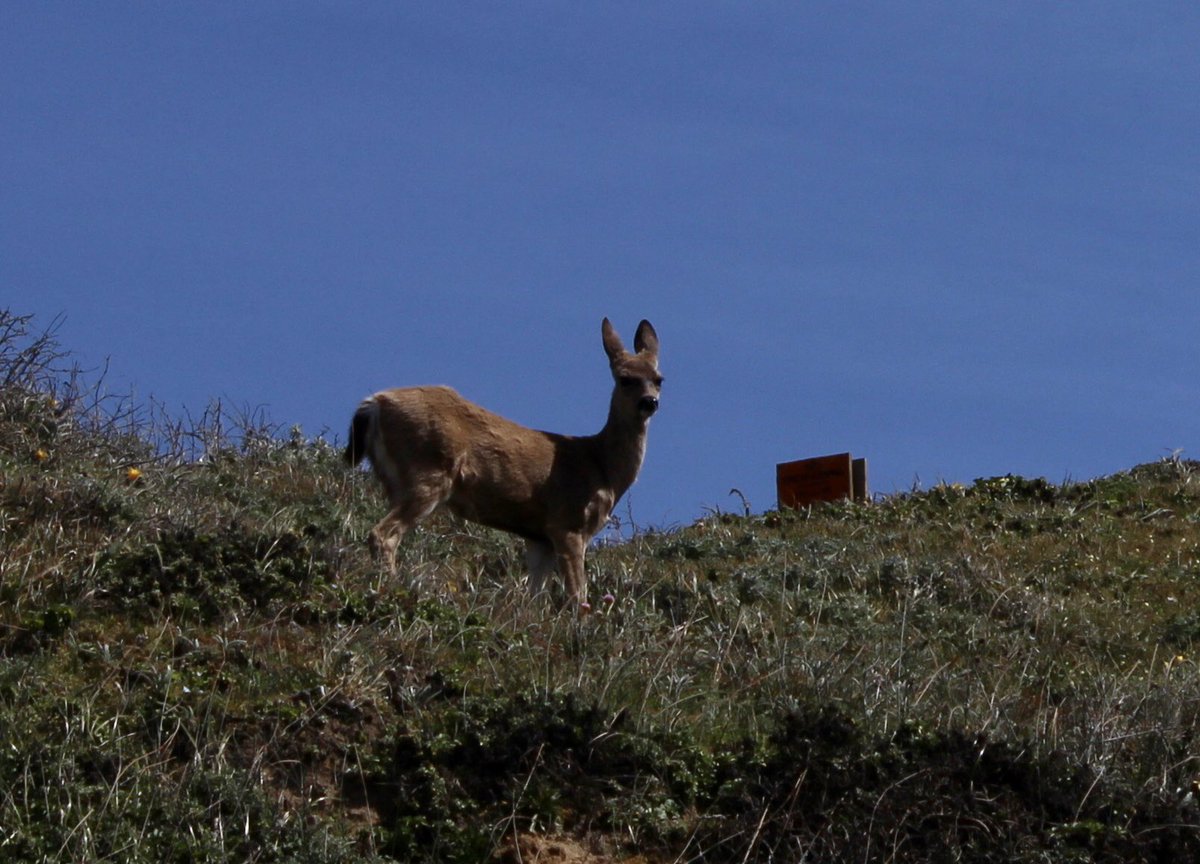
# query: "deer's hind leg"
x,y
409,506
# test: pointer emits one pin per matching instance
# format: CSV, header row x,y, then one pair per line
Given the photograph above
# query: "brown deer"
x,y
431,447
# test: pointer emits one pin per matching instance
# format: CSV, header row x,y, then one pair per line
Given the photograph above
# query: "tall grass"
x,y
199,662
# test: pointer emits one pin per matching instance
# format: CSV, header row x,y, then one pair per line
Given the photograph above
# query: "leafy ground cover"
x,y
199,662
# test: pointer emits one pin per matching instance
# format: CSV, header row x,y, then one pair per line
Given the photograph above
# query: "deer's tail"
x,y
360,430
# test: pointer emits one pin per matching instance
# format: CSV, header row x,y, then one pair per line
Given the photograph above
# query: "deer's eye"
x,y
628,381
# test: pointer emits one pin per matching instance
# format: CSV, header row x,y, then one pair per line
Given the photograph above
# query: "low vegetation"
x,y
199,662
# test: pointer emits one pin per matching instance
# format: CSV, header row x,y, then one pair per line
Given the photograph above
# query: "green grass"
x,y
199,662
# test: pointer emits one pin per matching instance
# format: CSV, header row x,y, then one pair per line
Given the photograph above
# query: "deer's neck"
x,y
622,446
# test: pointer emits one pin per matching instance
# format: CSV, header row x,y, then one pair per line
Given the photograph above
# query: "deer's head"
x,y
636,375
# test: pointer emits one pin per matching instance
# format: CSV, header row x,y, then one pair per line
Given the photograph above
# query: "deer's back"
x,y
503,474
439,425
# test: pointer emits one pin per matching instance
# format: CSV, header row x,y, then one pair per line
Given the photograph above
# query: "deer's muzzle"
x,y
648,405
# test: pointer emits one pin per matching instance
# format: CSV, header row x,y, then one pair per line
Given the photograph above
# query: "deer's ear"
x,y
646,339
612,342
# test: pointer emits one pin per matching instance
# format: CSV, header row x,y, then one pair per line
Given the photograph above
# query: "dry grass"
x,y
199,662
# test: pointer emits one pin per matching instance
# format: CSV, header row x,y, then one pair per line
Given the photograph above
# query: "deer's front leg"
x,y
569,550
539,558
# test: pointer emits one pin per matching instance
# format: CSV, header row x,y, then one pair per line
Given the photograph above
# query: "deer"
x,y
431,448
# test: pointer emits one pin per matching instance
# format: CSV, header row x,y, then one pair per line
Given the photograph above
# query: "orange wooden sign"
x,y
825,478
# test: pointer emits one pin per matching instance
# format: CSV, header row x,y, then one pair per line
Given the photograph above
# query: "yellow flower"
x,y
41,455
133,475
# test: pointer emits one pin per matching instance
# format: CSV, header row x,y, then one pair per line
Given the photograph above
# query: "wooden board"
x,y
824,478
858,468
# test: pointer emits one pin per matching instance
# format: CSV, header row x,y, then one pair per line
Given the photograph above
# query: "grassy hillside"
x,y
199,662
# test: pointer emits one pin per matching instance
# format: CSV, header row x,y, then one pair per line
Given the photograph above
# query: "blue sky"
x,y
957,238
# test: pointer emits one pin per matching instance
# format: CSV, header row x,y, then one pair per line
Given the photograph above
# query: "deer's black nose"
x,y
648,405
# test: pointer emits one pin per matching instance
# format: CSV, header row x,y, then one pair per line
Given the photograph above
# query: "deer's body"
x,y
431,447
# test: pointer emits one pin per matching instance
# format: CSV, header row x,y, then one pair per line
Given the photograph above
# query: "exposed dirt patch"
x,y
535,849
